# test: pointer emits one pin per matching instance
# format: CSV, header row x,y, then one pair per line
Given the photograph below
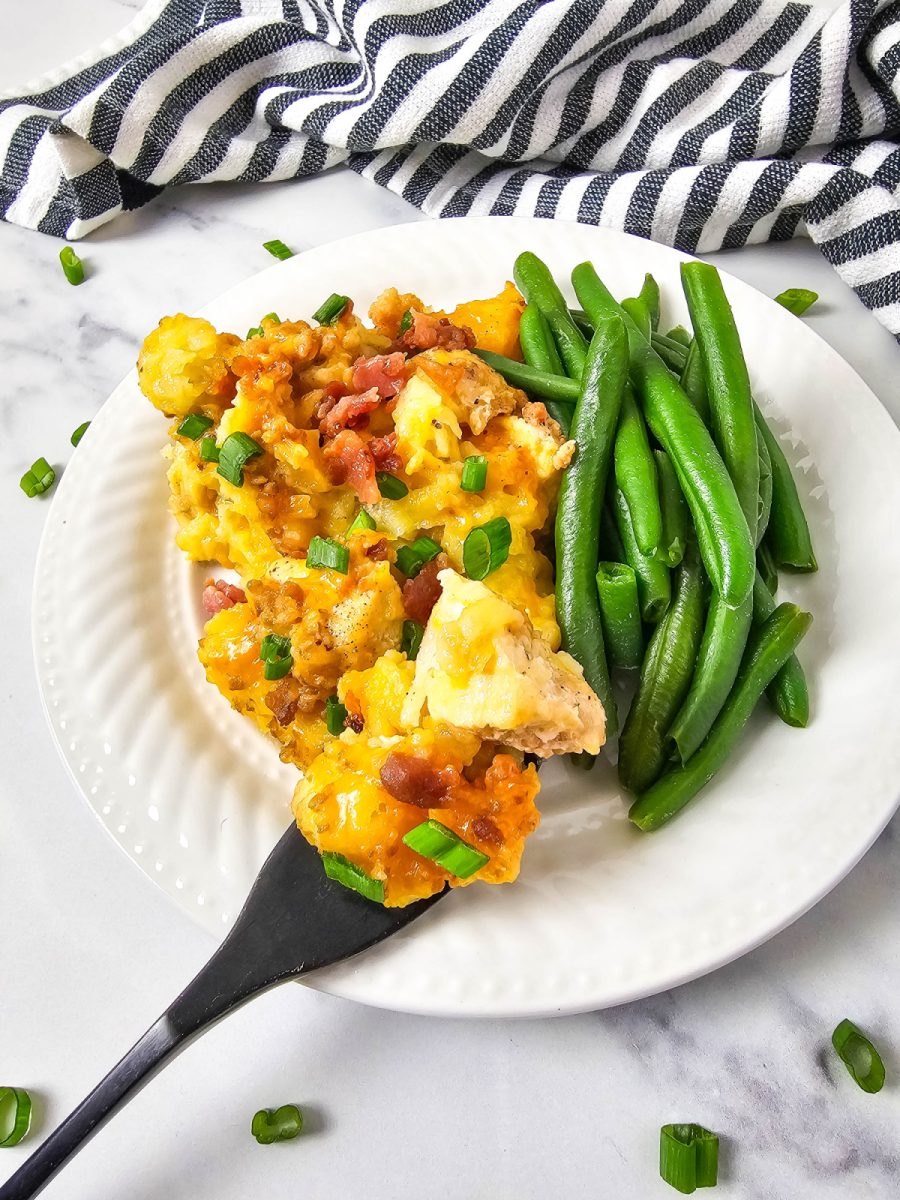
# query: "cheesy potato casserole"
x,y
384,497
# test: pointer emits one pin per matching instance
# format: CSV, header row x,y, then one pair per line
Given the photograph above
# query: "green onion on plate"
x,y
390,486
233,453
329,310
15,1115
275,652
329,554
278,249
361,521
335,716
73,267
486,548
277,1124
411,639
859,1056
79,433
193,425
474,473
39,477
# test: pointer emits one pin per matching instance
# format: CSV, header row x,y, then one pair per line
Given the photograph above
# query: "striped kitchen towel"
x,y
699,123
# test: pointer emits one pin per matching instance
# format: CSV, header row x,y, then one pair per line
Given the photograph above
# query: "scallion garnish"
x,y
233,453
411,559
859,1056
193,425
329,310
343,871
433,840
405,321
474,473
411,639
256,331
326,553
486,548
688,1157
797,300
361,521
278,249
15,1115
335,716
38,478
275,652
390,486
271,317
79,433
277,1124
209,451
72,265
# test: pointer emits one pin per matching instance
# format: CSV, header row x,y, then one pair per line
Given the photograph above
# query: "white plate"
x,y
601,914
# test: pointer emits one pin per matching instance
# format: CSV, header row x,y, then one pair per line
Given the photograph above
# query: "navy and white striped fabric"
x,y
699,123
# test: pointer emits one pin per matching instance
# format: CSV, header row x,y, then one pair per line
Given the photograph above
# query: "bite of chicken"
x,y
482,667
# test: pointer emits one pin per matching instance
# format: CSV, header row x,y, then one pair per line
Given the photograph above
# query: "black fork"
x,y
294,921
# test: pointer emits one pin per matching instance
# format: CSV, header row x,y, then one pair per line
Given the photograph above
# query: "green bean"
x,y
635,470
787,693
649,297
718,662
766,566
538,383
578,512
654,586
664,680
680,334
539,351
693,382
621,615
765,487
673,354
727,381
788,533
583,321
611,547
538,286
675,518
722,532
770,647
639,313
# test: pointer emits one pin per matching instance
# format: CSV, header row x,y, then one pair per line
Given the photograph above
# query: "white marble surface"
x,y
398,1107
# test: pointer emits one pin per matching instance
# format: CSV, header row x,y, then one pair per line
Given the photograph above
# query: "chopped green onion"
x,y
411,559
256,331
405,321
278,249
191,427
433,840
474,473
390,486
233,453
688,1157
486,548
276,1124
72,266
38,478
15,1115
335,716
324,552
797,300
342,870
329,310
209,451
79,433
411,639
275,652
361,521
271,317
859,1056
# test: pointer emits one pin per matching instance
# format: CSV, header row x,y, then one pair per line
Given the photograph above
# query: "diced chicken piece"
x,y
478,392
482,667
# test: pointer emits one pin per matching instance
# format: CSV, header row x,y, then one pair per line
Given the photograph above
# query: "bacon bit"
x,y
535,413
218,595
350,461
283,700
486,831
350,412
331,393
384,452
378,551
384,372
428,331
411,779
355,722
422,592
